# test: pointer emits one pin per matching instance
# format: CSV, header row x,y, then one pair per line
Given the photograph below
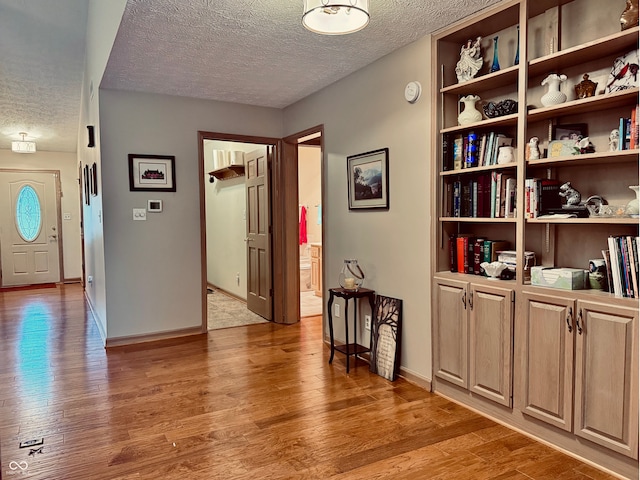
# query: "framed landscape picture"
x,y
368,179
152,173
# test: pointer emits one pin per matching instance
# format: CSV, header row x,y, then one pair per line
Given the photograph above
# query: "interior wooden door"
x,y
258,232
29,228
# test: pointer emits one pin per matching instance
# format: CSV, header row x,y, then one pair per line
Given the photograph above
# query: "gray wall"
x,y
363,112
153,267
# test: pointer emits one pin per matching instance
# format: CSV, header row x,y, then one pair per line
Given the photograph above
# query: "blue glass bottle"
x,y
517,59
495,66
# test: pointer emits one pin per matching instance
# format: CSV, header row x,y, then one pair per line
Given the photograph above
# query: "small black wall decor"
x,y
92,138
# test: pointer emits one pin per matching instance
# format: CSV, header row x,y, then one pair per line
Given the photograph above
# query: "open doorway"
x,y
236,219
310,224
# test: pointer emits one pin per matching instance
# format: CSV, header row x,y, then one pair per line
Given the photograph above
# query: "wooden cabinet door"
x,y
490,342
548,358
606,378
450,344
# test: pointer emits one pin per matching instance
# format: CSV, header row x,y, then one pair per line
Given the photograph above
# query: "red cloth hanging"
x,y
303,225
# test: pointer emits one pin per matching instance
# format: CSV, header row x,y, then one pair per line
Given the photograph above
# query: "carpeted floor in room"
x,y
225,311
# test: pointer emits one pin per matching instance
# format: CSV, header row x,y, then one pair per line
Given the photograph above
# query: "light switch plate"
x,y
139,213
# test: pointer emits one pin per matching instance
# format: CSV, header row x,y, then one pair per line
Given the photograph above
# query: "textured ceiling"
x,y
244,51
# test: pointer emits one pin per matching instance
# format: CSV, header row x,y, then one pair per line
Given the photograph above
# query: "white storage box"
x,y
564,278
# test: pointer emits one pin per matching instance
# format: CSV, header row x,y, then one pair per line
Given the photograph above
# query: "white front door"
x,y
29,228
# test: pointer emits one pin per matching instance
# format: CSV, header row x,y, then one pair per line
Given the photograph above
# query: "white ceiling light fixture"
x,y
335,17
23,146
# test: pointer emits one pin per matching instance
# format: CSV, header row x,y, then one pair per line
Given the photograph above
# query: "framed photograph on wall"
x,y
87,185
368,180
93,176
152,173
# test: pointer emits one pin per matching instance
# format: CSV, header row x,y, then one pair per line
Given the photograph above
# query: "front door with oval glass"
x,y
29,230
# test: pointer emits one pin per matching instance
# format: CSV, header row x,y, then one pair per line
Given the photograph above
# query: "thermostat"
x,y
412,91
154,206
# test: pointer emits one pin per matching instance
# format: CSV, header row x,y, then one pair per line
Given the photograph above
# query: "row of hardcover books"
x,y
467,252
491,195
542,196
628,130
472,150
622,260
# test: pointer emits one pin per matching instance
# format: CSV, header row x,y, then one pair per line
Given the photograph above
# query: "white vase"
x,y
632,206
470,114
553,96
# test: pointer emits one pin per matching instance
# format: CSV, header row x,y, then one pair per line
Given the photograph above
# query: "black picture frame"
x,y
87,185
570,131
368,180
152,173
93,177
386,335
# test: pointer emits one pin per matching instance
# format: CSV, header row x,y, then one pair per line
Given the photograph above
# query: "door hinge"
x,y
271,292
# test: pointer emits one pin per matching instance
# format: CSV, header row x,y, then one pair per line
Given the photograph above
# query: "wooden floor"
x,y
255,402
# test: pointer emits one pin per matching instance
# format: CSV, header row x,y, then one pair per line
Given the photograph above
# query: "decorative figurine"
x,y
553,96
583,145
470,113
572,195
505,107
586,88
614,140
534,150
629,16
470,60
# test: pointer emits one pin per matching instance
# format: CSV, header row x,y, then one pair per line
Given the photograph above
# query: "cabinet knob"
x,y
578,327
464,299
569,316
471,300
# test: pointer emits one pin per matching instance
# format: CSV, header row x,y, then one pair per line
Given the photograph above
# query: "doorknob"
x,y
53,237
248,239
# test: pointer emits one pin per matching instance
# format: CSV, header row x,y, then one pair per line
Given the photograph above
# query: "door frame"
x,y
285,267
58,187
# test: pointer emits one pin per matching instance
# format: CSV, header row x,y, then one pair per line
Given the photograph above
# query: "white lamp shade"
x,y
23,147
335,17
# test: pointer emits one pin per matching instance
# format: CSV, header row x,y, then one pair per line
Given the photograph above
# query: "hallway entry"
x,y
30,243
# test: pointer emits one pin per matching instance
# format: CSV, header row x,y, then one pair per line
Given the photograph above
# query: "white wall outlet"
x,y
336,310
367,322
66,216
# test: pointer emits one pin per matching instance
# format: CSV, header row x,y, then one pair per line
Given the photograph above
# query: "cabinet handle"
x,y
464,299
569,315
578,327
471,301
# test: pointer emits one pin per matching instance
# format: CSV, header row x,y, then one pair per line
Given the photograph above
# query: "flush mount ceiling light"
x,y
335,17
23,146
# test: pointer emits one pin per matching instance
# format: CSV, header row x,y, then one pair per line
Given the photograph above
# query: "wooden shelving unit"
x,y
225,173
495,342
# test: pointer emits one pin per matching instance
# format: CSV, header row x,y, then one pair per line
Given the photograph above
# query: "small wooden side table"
x,y
349,348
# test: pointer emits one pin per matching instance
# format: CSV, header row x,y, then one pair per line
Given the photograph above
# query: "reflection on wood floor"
x,y
255,402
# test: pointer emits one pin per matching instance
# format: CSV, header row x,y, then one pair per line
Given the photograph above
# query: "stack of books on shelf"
x,y
622,259
491,195
467,252
472,150
541,196
628,130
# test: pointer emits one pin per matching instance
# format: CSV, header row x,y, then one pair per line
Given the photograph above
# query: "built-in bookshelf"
x,y
572,38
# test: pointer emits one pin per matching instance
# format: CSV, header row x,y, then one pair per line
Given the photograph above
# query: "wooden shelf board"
x,y
477,220
354,349
468,277
485,124
588,220
599,102
228,172
598,158
484,168
501,78
600,48
585,294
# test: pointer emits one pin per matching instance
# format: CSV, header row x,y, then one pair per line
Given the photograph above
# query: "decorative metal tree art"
x,y
385,337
